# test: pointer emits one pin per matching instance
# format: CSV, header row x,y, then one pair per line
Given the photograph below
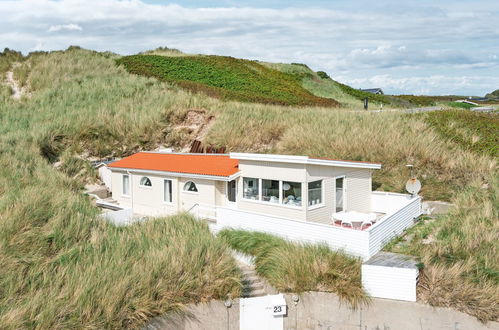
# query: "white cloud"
x,y
396,39
67,27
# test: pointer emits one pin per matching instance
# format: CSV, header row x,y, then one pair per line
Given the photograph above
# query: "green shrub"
x,y
225,77
323,75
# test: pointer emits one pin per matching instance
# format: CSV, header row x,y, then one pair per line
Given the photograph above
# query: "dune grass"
x,y
60,267
293,267
460,250
472,130
83,105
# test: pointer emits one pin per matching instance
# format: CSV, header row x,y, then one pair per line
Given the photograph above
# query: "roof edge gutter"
x,y
302,160
177,174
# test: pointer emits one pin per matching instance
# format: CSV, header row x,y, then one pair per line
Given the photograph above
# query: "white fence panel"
x,y
390,282
120,218
393,224
355,242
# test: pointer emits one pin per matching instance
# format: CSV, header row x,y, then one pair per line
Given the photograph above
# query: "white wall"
x,y
197,201
357,185
390,282
357,189
271,171
355,242
403,210
106,176
363,243
145,200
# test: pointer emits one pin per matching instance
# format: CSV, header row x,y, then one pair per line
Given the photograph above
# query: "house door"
x,y
340,194
231,192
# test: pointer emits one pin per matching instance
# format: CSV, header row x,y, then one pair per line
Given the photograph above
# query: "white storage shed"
x,y
390,276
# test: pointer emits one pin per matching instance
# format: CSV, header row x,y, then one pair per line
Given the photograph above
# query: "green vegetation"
x,y
471,130
83,105
460,105
292,267
422,101
226,78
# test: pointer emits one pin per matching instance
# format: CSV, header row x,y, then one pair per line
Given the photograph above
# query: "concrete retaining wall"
x,y
318,310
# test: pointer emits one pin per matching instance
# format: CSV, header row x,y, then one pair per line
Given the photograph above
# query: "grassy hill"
x,y
226,78
59,264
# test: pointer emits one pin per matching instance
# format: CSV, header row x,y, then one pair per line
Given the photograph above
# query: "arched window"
x,y
145,182
190,186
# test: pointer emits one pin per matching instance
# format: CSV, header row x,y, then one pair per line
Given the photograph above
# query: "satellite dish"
x,y
413,186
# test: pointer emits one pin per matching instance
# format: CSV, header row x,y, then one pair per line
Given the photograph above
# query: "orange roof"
x,y
202,164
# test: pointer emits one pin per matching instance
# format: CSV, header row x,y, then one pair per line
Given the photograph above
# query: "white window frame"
x,y
171,191
344,177
123,185
323,196
190,192
261,201
143,185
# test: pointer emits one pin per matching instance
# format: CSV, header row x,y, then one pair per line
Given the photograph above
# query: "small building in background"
x,y
377,91
390,276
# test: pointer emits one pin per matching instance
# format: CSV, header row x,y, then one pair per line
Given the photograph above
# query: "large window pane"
x,y
126,185
251,188
291,193
270,191
315,193
168,191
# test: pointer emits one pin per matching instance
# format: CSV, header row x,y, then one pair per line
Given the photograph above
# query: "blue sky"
x,y
410,47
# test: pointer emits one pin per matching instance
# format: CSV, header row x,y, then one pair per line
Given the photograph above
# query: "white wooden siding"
x,y
363,243
358,191
354,242
401,216
272,171
390,282
357,185
323,214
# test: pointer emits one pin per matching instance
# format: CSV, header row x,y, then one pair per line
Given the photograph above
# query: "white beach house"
x,y
297,197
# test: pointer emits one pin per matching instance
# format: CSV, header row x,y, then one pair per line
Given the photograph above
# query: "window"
x,y
231,191
291,193
340,192
126,185
145,182
251,188
270,191
315,193
190,187
167,194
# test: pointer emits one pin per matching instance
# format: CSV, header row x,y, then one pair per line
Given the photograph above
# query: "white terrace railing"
x,y
401,210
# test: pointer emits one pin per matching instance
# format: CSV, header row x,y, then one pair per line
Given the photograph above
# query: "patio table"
x,y
351,217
